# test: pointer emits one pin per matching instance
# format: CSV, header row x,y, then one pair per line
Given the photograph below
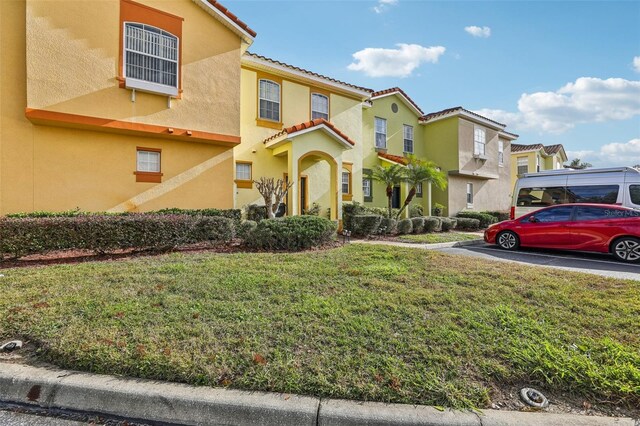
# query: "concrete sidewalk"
x,y
171,403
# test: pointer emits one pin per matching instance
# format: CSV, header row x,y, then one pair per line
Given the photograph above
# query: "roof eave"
x,y
404,100
246,37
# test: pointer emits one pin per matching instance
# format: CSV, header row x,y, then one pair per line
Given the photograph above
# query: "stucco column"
x,y
429,211
294,193
336,189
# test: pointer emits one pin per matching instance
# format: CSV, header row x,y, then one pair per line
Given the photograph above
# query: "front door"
x,y
303,193
395,198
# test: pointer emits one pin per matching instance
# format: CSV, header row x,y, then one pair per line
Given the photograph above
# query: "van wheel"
x,y
508,240
626,249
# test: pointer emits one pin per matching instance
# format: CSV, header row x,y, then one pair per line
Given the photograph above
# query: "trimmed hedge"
x,y
388,226
246,228
454,222
234,214
468,224
447,224
291,233
431,224
417,225
363,225
349,210
500,216
104,233
405,226
484,218
415,210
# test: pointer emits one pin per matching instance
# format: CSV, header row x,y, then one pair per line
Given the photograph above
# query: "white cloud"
x,y
636,63
483,32
587,100
611,155
400,62
383,5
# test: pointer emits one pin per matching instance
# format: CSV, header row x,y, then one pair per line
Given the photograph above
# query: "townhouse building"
x,y
536,158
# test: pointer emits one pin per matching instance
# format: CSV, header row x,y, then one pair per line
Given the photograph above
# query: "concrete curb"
x,y
420,245
164,402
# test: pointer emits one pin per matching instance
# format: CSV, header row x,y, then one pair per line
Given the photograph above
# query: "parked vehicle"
x,y
583,227
534,191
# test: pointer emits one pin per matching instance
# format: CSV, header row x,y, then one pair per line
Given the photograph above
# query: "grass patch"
x,y
439,237
360,322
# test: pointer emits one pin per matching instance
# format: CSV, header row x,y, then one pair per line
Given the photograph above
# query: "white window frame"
x,y
241,174
144,162
346,175
260,99
522,162
479,142
146,85
316,113
537,163
383,123
366,187
419,189
407,133
469,195
500,153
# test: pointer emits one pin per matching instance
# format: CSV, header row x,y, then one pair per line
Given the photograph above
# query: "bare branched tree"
x,y
273,193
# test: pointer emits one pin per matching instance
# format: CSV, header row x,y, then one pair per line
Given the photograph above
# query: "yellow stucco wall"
x,y
441,139
345,114
63,56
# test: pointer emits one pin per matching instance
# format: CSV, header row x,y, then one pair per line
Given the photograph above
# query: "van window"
x,y
601,194
634,192
541,197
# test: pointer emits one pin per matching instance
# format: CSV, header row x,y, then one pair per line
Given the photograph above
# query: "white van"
x,y
534,191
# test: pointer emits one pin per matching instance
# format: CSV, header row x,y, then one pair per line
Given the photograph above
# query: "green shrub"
x,y
387,226
256,213
454,222
484,219
439,224
447,224
314,210
417,225
405,226
363,225
348,211
291,233
468,224
499,215
66,213
431,224
415,210
437,209
246,228
234,214
103,233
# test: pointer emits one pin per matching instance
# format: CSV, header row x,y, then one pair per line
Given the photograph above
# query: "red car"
x,y
601,228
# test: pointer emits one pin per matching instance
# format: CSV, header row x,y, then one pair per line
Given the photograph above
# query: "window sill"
x,y
469,206
368,199
480,157
347,197
244,184
381,150
148,177
268,123
145,86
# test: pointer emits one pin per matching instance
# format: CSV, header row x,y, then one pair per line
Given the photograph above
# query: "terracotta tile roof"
x,y
515,147
231,16
437,114
553,149
397,90
307,125
310,73
395,158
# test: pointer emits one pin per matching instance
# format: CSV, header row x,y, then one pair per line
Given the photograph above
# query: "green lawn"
x,y
359,322
439,237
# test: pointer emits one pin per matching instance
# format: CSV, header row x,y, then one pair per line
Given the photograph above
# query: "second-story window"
x,y
523,165
150,59
269,96
500,153
381,133
408,139
479,140
319,106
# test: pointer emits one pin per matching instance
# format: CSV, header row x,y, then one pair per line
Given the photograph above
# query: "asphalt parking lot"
x,y
593,263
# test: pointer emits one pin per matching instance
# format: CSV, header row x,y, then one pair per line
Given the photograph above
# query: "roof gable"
x,y
228,19
398,92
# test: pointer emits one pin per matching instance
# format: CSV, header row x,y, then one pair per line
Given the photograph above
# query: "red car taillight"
x,y
512,213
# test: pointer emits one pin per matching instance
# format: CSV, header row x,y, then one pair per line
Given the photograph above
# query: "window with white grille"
x,y
366,187
269,100
150,59
243,171
523,165
381,132
408,139
479,140
346,178
500,153
319,106
148,161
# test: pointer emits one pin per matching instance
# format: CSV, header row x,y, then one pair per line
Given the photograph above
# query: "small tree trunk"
x,y
412,193
389,198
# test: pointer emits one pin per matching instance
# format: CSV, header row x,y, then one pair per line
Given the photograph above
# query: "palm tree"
x,y
576,163
417,172
390,176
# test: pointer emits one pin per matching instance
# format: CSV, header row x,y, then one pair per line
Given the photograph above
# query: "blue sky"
x,y
555,72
